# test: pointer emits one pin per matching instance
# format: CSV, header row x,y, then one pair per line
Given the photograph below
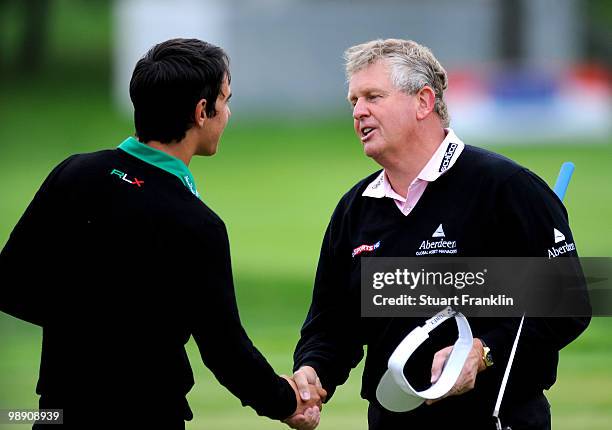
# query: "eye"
x,y
372,97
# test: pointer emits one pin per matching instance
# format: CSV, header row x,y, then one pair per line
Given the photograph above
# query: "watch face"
x,y
488,359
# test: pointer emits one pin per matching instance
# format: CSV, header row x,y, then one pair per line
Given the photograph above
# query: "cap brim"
x,y
393,398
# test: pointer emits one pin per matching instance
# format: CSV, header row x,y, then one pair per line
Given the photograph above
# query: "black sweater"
x,y
120,264
488,205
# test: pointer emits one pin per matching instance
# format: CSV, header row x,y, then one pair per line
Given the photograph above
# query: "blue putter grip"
x,y
565,174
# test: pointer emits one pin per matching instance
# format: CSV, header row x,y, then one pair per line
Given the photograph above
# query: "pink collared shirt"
x,y
443,159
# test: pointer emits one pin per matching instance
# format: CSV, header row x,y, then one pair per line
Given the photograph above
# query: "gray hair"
x,y
412,67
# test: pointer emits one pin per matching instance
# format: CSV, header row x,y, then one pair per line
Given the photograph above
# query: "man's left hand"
x,y
467,379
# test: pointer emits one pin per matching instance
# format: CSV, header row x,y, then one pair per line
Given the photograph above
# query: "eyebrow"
x,y
367,91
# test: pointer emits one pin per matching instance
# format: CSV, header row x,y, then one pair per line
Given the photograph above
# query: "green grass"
x,y
275,185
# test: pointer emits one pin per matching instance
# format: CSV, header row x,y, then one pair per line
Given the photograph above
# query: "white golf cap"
x,y
395,393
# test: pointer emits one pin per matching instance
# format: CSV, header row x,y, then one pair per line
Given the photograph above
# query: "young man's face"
x,y
214,126
384,117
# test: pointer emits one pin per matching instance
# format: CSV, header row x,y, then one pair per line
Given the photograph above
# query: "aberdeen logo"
x,y
365,248
558,235
123,177
448,156
560,250
439,232
442,246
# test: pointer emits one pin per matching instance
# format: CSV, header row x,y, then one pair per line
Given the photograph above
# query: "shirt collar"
x,y
442,160
161,160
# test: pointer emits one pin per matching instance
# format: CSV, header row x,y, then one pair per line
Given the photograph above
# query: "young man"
x,y
120,262
431,184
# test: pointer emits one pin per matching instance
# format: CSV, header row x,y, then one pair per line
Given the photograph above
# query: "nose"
x,y
360,110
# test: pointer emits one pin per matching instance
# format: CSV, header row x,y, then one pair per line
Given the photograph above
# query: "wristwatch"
x,y
486,355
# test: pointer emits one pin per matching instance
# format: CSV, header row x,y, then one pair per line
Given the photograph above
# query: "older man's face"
x,y
384,117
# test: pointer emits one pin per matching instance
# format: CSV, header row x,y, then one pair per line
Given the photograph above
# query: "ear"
x,y
200,112
426,101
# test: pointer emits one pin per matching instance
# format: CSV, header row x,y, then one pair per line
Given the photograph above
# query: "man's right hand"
x,y
307,414
305,377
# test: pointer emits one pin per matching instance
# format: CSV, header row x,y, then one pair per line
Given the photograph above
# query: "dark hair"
x,y
168,82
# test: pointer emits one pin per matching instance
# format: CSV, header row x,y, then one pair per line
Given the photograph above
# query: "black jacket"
x,y
491,207
119,274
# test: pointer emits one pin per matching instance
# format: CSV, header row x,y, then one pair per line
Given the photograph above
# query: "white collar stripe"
x,y
441,161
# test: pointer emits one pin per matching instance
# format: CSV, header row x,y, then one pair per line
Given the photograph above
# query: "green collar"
x,y
160,160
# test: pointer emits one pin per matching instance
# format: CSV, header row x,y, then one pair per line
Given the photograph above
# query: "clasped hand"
x,y
310,396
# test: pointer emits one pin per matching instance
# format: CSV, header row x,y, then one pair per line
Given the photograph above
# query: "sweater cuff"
x,y
288,407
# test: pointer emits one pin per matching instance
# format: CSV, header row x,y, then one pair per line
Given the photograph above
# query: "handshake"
x,y
310,396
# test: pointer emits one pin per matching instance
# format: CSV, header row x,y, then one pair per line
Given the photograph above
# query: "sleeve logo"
x,y
560,250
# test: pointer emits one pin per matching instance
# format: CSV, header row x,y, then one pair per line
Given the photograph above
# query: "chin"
x,y
371,150
207,152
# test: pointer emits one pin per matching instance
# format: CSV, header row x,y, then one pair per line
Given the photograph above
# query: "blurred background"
x,y
528,78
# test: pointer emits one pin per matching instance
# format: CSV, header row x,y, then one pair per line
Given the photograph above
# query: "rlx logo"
x,y
123,177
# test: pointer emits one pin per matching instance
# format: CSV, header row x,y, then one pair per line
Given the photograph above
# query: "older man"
x,y
431,185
